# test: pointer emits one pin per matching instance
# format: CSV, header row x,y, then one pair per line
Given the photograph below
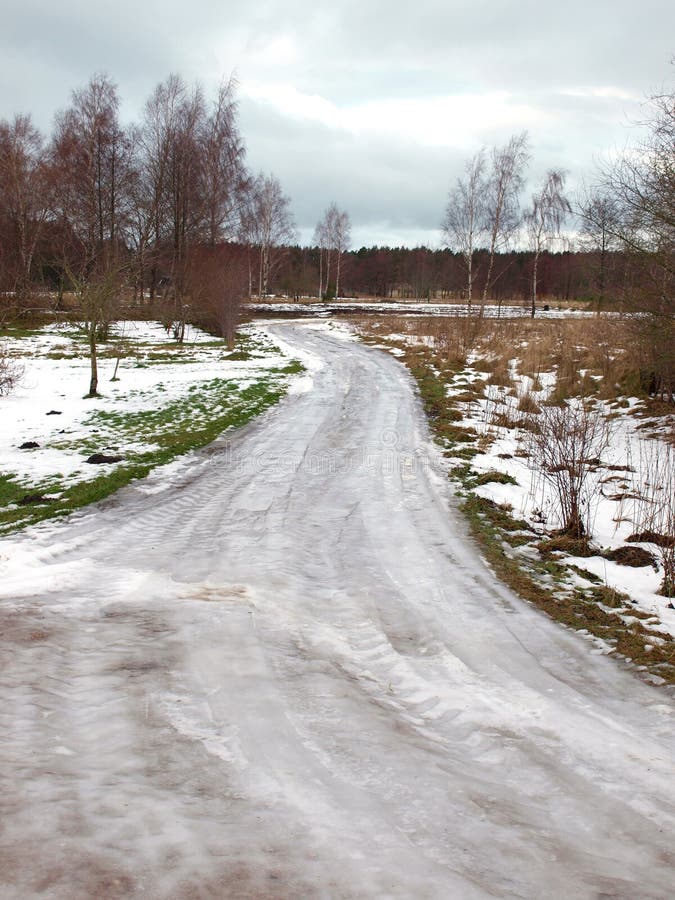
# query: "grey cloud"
x,y
377,180
351,51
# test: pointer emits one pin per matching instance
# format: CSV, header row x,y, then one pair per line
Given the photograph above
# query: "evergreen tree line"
x,y
420,273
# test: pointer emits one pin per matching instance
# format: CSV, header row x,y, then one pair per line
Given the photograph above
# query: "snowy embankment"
x,y
626,492
611,497
158,399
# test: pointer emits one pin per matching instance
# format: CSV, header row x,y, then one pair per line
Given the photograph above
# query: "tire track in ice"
x,y
285,672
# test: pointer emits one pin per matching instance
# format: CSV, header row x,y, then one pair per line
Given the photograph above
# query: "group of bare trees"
x,y
25,199
631,209
268,226
332,236
484,212
101,207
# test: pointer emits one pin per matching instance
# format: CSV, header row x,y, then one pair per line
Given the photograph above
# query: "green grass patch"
x,y
15,332
565,544
146,437
584,573
498,516
172,430
494,478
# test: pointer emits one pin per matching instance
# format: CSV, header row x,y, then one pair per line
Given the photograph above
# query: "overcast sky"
x,y
374,104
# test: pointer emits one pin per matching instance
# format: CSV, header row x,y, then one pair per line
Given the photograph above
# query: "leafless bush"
x,y
454,338
655,509
11,372
566,444
218,284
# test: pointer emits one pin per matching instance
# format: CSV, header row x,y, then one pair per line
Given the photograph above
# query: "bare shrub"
x,y
538,340
566,443
11,372
458,337
454,338
98,296
527,403
217,281
655,508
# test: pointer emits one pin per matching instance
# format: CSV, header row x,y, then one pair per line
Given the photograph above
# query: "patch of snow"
x,y
48,406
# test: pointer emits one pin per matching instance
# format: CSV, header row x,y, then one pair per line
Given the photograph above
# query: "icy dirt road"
x,y
285,672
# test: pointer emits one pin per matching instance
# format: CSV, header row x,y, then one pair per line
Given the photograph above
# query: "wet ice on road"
x,y
283,670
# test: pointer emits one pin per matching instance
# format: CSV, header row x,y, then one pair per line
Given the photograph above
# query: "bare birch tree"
x,y
90,156
24,194
321,241
642,183
342,237
223,175
333,237
464,221
502,199
325,235
185,162
154,139
268,225
598,215
544,220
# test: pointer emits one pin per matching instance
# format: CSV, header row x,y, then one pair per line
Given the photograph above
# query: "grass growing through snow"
x,y
147,427
172,431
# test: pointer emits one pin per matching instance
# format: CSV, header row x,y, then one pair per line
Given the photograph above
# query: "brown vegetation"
x,y
444,356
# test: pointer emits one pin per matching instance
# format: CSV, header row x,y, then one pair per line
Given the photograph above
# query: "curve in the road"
x,y
286,672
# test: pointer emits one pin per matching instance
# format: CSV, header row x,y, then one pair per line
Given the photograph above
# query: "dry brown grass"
x,y
538,347
596,357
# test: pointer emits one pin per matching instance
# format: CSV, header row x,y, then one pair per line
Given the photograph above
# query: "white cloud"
x,y
460,120
289,101
373,104
600,93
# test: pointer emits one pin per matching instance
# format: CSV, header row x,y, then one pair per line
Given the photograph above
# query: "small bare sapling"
x,y
11,372
655,509
566,445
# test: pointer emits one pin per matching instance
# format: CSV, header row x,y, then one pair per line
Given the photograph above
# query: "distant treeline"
x,y
423,273
165,212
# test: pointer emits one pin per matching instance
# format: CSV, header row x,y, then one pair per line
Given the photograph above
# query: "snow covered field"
x,y
346,306
162,398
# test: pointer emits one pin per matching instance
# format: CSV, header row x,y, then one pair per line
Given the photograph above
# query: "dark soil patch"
x,y
99,458
651,537
635,557
33,498
564,544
